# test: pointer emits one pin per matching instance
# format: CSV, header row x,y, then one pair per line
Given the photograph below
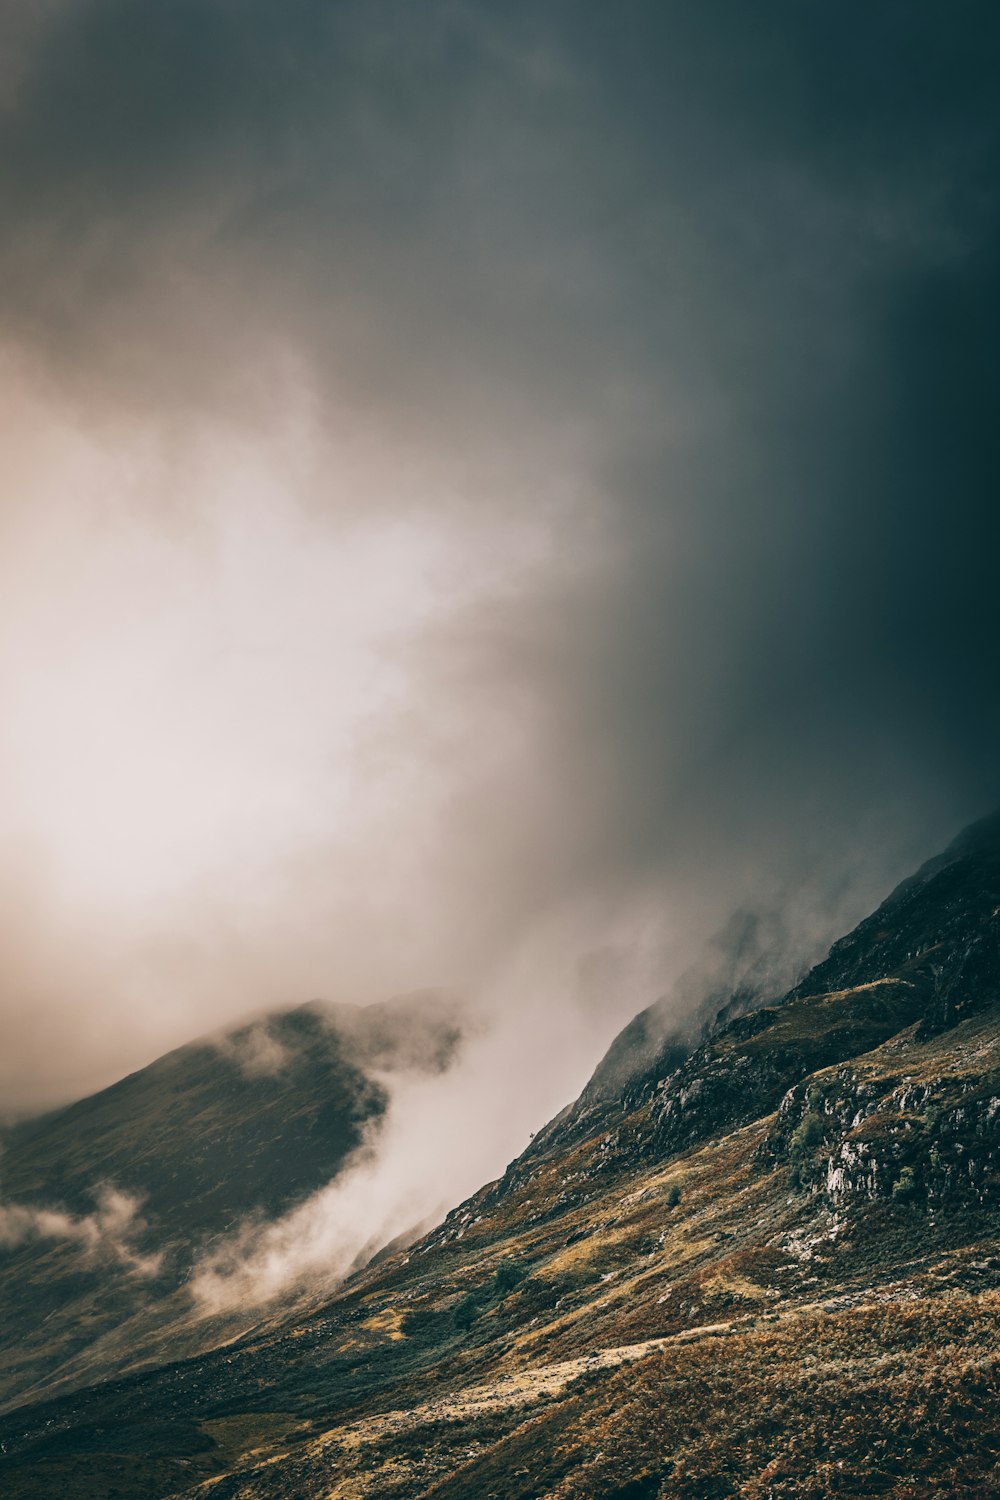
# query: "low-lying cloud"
x,y
257,1052
456,1115
105,1236
441,1136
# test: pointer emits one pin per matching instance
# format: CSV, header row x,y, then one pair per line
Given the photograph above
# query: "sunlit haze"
x,y
475,510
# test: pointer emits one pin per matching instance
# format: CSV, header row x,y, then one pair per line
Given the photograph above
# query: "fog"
x,y
442,1137
102,1236
488,493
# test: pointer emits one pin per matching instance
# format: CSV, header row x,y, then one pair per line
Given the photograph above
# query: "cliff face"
x,y
929,956
924,1130
763,1264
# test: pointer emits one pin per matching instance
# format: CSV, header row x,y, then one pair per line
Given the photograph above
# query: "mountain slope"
x,y
769,1271
107,1203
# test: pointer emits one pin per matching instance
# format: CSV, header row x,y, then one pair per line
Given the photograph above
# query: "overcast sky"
x,y
487,490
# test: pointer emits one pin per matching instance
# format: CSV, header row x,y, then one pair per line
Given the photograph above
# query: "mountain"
x,y
107,1203
758,1262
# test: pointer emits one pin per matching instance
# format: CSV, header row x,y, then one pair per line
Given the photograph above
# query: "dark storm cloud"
x,y
724,273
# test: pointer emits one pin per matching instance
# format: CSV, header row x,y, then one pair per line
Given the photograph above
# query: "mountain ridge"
x,y
770,1271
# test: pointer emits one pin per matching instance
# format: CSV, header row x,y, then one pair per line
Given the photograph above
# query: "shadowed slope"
x,y
242,1125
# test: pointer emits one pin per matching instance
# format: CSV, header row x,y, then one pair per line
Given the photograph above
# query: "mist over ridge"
x,y
488,497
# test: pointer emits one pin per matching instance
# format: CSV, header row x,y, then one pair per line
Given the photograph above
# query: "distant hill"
x,y
106,1203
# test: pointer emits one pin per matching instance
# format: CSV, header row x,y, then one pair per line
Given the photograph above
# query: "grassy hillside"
x,y
771,1271
712,1324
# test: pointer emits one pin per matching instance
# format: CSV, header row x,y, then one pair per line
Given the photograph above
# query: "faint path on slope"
x,y
509,1391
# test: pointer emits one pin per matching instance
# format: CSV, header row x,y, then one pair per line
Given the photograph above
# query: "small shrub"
x,y
905,1185
673,1195
805,1138
466,1312
508,1274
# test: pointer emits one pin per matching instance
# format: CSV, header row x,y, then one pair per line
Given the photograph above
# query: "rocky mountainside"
x,y
106,1204
758,1263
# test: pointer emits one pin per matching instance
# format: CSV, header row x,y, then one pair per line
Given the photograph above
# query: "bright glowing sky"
x,y
485,491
